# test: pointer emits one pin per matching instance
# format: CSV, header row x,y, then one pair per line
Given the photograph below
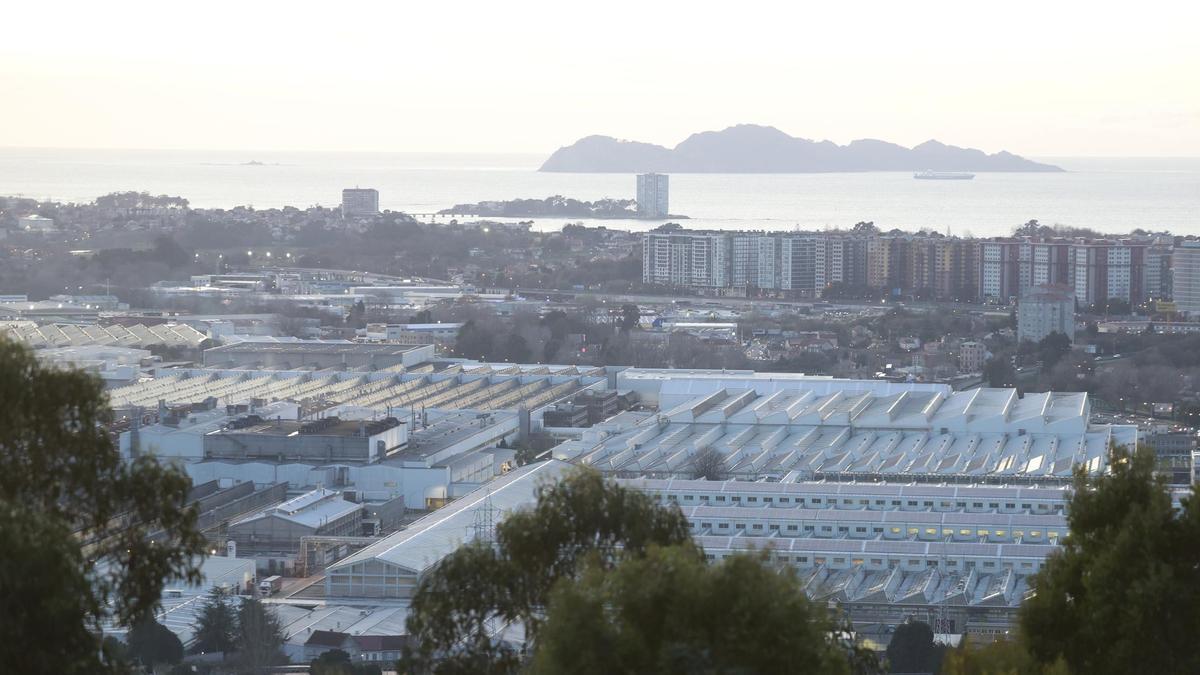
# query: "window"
x,y
1018,533
946,505
752,499
801,558
993,505
895,530
982,533
703,498
931,563
783,558
912,502
768,500
838,561
965,532
912,531
793,528
758,526
687,498
931,530
877,530
816,500
820,560
961,505
846,502
707,526
951,563
1001,533
1026,506
1026,565
673,498
988,564
784,500
863,502
1010,506
735,498
774,528
879,502
740,526
914,563
928,504
723,526
861,530
978,505
877,561
895,502
720,498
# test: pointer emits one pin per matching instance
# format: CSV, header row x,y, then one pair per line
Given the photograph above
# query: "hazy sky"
x,y
1037,78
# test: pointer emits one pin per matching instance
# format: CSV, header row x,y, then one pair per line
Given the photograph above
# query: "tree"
x,y
337,662
998,371
63,487
478,588
671,612
153,643
1002,657
912,649
630,316
1123,593
1052,348
709,464
216,629
259,639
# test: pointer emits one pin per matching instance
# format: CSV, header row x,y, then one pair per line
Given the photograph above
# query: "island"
x,y
749,148
556,206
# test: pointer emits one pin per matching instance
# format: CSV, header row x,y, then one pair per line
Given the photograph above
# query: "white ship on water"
x,y
943,175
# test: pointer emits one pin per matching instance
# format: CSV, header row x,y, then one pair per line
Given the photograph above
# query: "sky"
x,y
1041,79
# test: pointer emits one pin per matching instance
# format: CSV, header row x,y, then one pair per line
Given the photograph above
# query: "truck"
x,y
270,585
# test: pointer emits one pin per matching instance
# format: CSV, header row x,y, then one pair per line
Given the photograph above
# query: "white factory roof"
x,y
424,543
138,336
312,509
809,431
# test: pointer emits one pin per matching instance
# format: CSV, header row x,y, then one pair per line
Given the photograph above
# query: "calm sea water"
x,y
1110,195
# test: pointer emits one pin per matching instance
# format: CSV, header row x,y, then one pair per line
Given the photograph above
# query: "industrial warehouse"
x,y
890,499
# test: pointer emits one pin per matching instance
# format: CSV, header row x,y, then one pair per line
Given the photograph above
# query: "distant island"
x,y
551,207
749,148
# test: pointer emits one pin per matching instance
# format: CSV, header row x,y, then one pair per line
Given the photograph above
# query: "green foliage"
x,y
1052,348
479,588
670,612
74,520
630,316
217,627
912,649
999,372
1003,657
259,638
338,662
153,643
1123,594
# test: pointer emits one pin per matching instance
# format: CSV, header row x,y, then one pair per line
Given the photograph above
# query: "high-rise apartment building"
x,y
360,202
652,195
1103,270
1185,277
681,258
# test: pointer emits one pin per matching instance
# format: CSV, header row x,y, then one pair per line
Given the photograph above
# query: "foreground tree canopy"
x,y
74,521
670,612
588,544
1123,595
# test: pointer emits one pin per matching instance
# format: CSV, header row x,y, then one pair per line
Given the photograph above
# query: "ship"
x,y
943,175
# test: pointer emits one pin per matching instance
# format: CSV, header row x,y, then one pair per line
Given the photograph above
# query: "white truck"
x,y
270,585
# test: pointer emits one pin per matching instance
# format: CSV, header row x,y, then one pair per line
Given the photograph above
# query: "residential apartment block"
x,y
1001,270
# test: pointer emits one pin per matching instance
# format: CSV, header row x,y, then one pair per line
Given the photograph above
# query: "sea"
x,y
1112,195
